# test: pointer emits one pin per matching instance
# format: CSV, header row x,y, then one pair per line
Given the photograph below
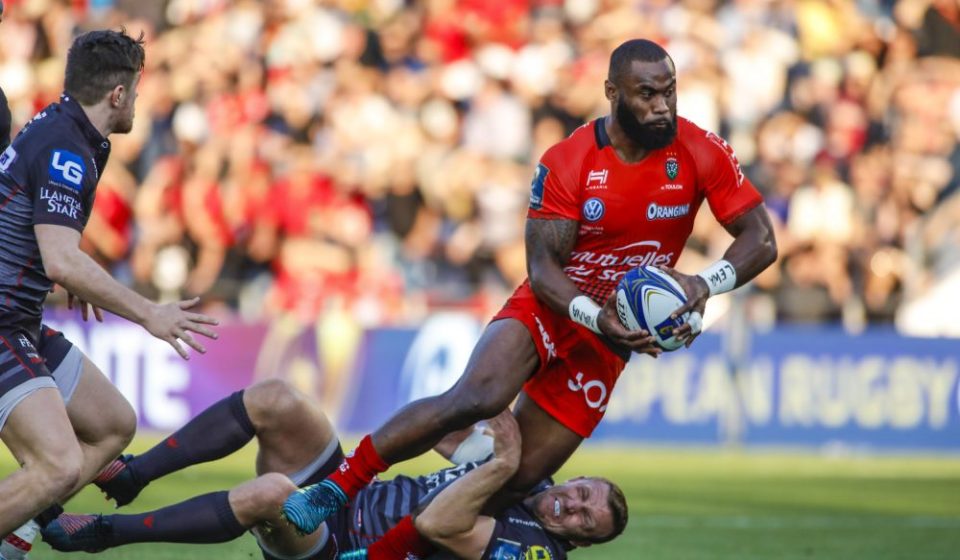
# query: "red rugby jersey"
x,y
635,214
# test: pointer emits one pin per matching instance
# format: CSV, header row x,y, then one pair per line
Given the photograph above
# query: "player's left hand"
x,y
75,301
697,292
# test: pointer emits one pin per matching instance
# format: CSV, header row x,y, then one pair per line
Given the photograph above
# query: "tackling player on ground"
x,y
59,415
620,192
298,445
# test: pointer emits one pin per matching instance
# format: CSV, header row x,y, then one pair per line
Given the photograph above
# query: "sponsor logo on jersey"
x,y
597,179
7,158
587,229
506,550
537,552
67,168
29,351
524,522
61,201
672,167
671,187
593,209
583,264
658,212
594,391
536,187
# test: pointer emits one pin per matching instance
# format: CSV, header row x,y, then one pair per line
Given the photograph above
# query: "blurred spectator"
x,y
371,159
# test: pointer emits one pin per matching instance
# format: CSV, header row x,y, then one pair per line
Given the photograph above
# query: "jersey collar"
x,y
600,133
72,108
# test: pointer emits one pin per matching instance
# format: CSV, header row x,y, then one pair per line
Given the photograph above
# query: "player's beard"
x,y
123,120
644,136
124,123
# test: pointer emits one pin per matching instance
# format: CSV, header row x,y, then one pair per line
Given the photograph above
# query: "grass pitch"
x,y
684,505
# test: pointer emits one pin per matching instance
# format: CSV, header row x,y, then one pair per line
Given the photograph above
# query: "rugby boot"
x,y
119,482
308,507
73,533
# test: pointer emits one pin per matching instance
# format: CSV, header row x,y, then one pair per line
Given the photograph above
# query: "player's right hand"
x,y
639,341
173,323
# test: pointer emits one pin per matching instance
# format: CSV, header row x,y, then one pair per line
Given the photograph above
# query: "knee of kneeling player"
x,y
125,427
271,401
262,498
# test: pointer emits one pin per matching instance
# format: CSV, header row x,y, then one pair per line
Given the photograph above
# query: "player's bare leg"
x,y
103,421
501,362
39,435
292,431
295,438
258,503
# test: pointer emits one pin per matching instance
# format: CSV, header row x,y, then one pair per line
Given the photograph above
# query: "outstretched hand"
x,y
697,292
639,341
172,323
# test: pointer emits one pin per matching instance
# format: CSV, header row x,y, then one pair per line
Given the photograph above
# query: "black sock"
x,y
48,515
203,519
216,432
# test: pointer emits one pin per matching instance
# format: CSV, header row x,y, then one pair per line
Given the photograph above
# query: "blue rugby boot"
x,y
119,482
72,533
308,507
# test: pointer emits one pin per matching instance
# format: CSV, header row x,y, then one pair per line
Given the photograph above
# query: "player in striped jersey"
x,y
298,446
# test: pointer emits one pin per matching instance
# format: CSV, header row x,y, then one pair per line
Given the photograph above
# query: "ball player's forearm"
x,y
552,286
754,247
73,269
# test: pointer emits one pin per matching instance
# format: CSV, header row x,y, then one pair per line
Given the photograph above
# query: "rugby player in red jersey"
x,y
620,192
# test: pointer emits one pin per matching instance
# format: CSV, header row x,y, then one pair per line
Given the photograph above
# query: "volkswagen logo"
x,y
593,209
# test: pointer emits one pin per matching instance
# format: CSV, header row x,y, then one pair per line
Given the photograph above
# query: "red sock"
x,y
401,542
358,468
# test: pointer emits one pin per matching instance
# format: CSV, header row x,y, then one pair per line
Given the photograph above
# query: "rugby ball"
x,y
646,296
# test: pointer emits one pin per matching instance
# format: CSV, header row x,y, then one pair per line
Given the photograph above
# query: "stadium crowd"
x,y
373,157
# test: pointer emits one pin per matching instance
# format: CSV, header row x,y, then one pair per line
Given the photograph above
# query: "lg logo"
x,y
594,392
67,166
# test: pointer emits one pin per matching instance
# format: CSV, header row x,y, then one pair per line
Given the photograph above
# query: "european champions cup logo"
x,y
593,209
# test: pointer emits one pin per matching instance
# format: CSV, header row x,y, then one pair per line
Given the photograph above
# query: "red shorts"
x,y
577,369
